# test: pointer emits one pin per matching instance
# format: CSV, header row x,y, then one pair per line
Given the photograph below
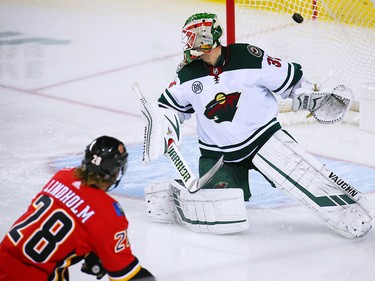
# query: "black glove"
x,y
93,266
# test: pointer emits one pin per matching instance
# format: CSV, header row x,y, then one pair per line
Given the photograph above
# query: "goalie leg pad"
x,y
303,177
215,211
159,202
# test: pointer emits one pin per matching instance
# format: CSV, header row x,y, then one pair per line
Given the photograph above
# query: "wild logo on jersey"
x,y
223,107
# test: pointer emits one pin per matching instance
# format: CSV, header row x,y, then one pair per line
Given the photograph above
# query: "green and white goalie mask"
x,y
201,33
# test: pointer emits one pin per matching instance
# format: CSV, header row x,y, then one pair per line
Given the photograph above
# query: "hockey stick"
x,y
173,153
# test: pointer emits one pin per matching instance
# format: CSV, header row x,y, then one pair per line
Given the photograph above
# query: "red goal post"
x,y
335,41
230,17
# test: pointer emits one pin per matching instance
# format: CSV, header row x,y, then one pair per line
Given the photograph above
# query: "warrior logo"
x,y
223,107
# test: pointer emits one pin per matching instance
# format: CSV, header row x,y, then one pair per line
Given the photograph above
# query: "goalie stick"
x,y
173,153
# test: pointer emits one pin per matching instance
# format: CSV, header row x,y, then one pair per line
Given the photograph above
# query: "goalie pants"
x,y
235,175
231,174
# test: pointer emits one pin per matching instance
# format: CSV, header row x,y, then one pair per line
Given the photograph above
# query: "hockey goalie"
x,y
231,90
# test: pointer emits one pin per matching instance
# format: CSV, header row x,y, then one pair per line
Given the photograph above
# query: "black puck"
x,y
297,18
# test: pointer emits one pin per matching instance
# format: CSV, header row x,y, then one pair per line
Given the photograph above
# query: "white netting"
x,y
335,41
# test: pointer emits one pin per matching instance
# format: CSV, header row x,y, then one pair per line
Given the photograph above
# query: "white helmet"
x,y
201,33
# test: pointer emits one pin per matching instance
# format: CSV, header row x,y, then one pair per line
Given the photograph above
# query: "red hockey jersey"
x,y
64,222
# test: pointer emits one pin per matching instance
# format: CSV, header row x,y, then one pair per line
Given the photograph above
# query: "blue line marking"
x,y
140,175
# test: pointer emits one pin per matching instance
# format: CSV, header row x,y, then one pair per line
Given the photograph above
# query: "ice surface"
x,y
66,70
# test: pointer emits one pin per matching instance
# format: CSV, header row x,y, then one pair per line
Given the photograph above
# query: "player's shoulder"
x,y
243,55
101,200
65,173
245,48
67,170
108,211
193,70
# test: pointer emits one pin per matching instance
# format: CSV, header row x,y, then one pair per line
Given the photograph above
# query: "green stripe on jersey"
x,y
238,151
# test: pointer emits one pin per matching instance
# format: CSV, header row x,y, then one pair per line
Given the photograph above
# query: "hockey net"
x,y
335,43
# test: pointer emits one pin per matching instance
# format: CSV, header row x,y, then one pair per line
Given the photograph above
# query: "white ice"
x,y
67,80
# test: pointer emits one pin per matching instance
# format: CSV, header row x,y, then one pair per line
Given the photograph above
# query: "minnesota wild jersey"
x,y
234,101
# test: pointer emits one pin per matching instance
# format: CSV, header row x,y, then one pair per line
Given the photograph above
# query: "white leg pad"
x,y
303,177
159,202
216,211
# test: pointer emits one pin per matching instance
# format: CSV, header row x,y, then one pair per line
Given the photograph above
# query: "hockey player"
x,y
231,89
73,218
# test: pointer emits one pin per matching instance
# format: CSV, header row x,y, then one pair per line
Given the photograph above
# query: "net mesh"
x,y
335,43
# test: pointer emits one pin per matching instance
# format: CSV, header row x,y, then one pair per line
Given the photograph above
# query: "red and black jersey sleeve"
x,y
109,239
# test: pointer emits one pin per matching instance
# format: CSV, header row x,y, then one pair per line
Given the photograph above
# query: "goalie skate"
x,y
303,177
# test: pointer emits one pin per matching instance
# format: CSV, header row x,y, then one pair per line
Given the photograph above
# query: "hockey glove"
x,y
93,266
326,106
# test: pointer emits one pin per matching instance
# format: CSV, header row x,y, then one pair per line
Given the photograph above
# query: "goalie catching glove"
x,y
326,106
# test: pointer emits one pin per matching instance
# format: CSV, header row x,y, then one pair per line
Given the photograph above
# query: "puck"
x,y
297,18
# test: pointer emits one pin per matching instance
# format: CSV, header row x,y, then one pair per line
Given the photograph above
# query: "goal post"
x,y
335,42
230,16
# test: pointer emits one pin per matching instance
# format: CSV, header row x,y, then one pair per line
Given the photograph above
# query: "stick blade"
x,y
205,179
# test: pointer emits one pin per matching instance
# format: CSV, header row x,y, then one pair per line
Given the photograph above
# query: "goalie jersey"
x,y
234,101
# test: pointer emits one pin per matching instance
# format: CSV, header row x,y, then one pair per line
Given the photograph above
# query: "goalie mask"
x,y
201,33
107,157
